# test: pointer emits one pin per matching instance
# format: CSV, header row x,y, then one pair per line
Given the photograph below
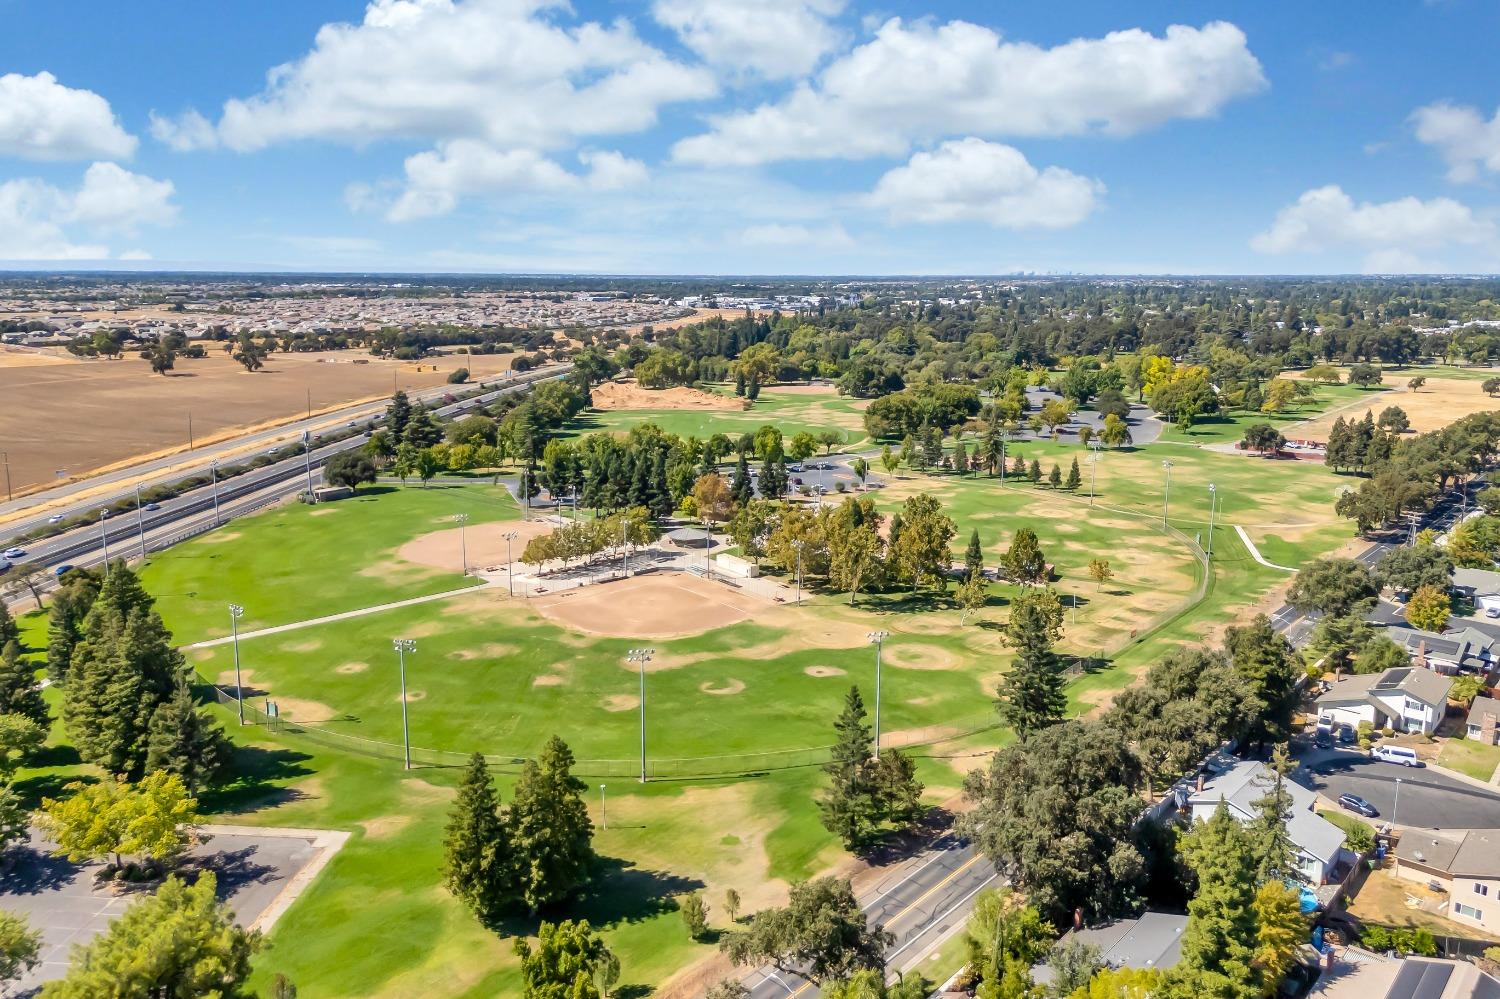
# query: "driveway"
x,y
1428,799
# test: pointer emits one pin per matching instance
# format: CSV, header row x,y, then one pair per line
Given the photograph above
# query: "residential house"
x,y
1465,863
1319,843
1483,724
1354,973
1467,650
1404,698
1151,940
1480,585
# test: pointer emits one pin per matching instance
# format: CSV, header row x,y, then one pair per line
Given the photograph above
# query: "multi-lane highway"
x,y
124,534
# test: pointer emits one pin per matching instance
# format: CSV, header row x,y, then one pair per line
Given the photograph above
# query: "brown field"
x,y
78,416
629,395
1434,406
659,606
484,543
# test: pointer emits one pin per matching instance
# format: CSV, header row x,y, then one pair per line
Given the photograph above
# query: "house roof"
x,y
1481,581
1248,781
1151,940
1360,974
1465,853
1468,647
1425,685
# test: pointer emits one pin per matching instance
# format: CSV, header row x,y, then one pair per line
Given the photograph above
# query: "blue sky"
x,y
752,136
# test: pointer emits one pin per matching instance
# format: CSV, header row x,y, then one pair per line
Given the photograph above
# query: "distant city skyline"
x,y
745,137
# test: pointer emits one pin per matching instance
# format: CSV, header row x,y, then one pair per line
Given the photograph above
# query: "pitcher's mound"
x,y
665,605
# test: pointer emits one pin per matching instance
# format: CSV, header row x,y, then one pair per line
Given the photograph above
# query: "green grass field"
x,y
1229,428
792,412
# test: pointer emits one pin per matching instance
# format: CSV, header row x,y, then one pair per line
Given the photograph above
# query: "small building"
x,y
691,538
1404,698
327,494
1151,940
1483,723
1355,973
1465,863
1319,843
1468,650
736,567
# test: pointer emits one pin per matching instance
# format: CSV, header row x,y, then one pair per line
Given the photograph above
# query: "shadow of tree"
x,y
260,776
30,871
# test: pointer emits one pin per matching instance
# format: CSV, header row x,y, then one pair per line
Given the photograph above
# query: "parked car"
x,y
14,553
1396,754
1354,803
1323,739
796,482
1347,735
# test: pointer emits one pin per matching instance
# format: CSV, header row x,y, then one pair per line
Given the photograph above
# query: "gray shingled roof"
x,y
1426,685
1248,781
1468,853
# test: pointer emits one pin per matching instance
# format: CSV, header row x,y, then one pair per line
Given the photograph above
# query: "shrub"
x,y
458,376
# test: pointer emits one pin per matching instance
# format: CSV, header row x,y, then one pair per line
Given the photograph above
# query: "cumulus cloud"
x,y
499,71
186,132
974,180
436,179
781,234
40,119
1391,231
920,81
1462,136
775,39
40,220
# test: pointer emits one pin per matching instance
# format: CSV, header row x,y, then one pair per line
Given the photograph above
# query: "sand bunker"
x,y
662,605
732,687
823,671
620,702
485,544
629,395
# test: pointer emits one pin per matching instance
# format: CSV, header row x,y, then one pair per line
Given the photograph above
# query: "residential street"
x,y
1429,800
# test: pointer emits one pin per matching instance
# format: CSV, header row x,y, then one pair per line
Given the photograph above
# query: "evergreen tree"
x,y
397,414
898,792
740,487
1018,467
1034,473
185,740
932,447
563,963
549,828
20,694
1219,944
70,605
773,477
974,556
847,806
1023,560
739,383
1031,694
1054,477
422,430
1336,453
1075,477
1275,854
961,458
660,503
477,861
9,630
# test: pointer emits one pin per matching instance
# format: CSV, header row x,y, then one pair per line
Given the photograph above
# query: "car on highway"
x,y
58,572
1396,754
153,506
14,553
1354,803
56,518
4,565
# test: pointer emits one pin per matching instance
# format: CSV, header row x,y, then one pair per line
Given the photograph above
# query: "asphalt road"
x,y
1428,799
921,903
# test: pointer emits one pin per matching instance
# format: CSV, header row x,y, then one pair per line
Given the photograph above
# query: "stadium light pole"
x,y
235,613
877,639
1093,470
463,544
603,808
1213,505
1396,805
307,460
213,476
402,647
510,561
797,545
104,536
1166,492
140,521
641,657
624,549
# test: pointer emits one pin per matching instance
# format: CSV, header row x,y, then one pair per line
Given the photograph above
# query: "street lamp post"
x,y
140,521
307,461
877,639
797,545
1396,805
1166,491
463,544
510,561
6,456
104,536
213,475
1213,504
603,808
402,647
641,657
235,613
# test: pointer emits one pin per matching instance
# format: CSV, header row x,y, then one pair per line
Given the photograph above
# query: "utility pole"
x,y
510,561
1166,492
402,647
877,639
235,613
8,495
104,536
307,461
1093,471
140,521
213,473
1213,503
798,546
463,545
641,657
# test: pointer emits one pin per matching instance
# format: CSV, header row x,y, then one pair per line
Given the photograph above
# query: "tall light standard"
x,y
1396,805
235,613
307,461
463,544
624,547
797,545
1213,505
510,561
213,476
1093,469
603,808
104,536
6,456
140,521
402,647
641,657
1166,491
877,639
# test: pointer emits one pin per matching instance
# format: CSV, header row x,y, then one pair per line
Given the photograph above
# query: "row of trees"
x,y
1416,470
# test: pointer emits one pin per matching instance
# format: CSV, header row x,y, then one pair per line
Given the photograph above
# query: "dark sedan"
x,y
1354,803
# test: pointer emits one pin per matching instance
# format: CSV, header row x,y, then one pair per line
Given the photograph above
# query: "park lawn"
x,y
1401,375
1469,756
790,412
1230,427
296,562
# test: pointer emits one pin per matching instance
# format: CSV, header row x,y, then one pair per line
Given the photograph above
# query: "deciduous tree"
x,y
821,934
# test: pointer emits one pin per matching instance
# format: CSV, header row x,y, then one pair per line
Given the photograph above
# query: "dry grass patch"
x,y
385,826
348,668
304,712
655,606
824,671
219,537
490,650
548,680
731,687
630,395
304,645
620,702
920,657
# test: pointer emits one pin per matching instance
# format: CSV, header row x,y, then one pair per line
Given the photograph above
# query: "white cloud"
x,y
500,71
40,119
1463,138
776,39
918,81
188,131
1391,231
974,180
780,234
39,220
436,179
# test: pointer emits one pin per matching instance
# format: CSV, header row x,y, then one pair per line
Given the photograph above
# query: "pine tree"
x,y
897,789
1054,477
397,414
477,861
1075,477
974,556
961,458
932,447
1018,467
550,830
62,634
9,630
848,806
1219,944
661,494
20,694
185,740
1031,694
1034,473
740,487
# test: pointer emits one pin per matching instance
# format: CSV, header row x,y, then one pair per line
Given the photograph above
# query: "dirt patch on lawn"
x,y
925,657
304,711
305,645
485,545
918,736
731,687
385,826
823,671
490,650
412,695
629,395
323,511
620,702
662,605
351,668
548,680
219,537
826,391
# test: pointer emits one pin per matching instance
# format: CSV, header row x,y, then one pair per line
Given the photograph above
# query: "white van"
x,y
1396,754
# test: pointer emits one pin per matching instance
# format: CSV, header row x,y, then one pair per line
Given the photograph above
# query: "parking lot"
x,y
1428,799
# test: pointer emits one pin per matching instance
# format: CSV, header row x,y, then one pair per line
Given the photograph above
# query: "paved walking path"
x,y
346,615
1255,552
